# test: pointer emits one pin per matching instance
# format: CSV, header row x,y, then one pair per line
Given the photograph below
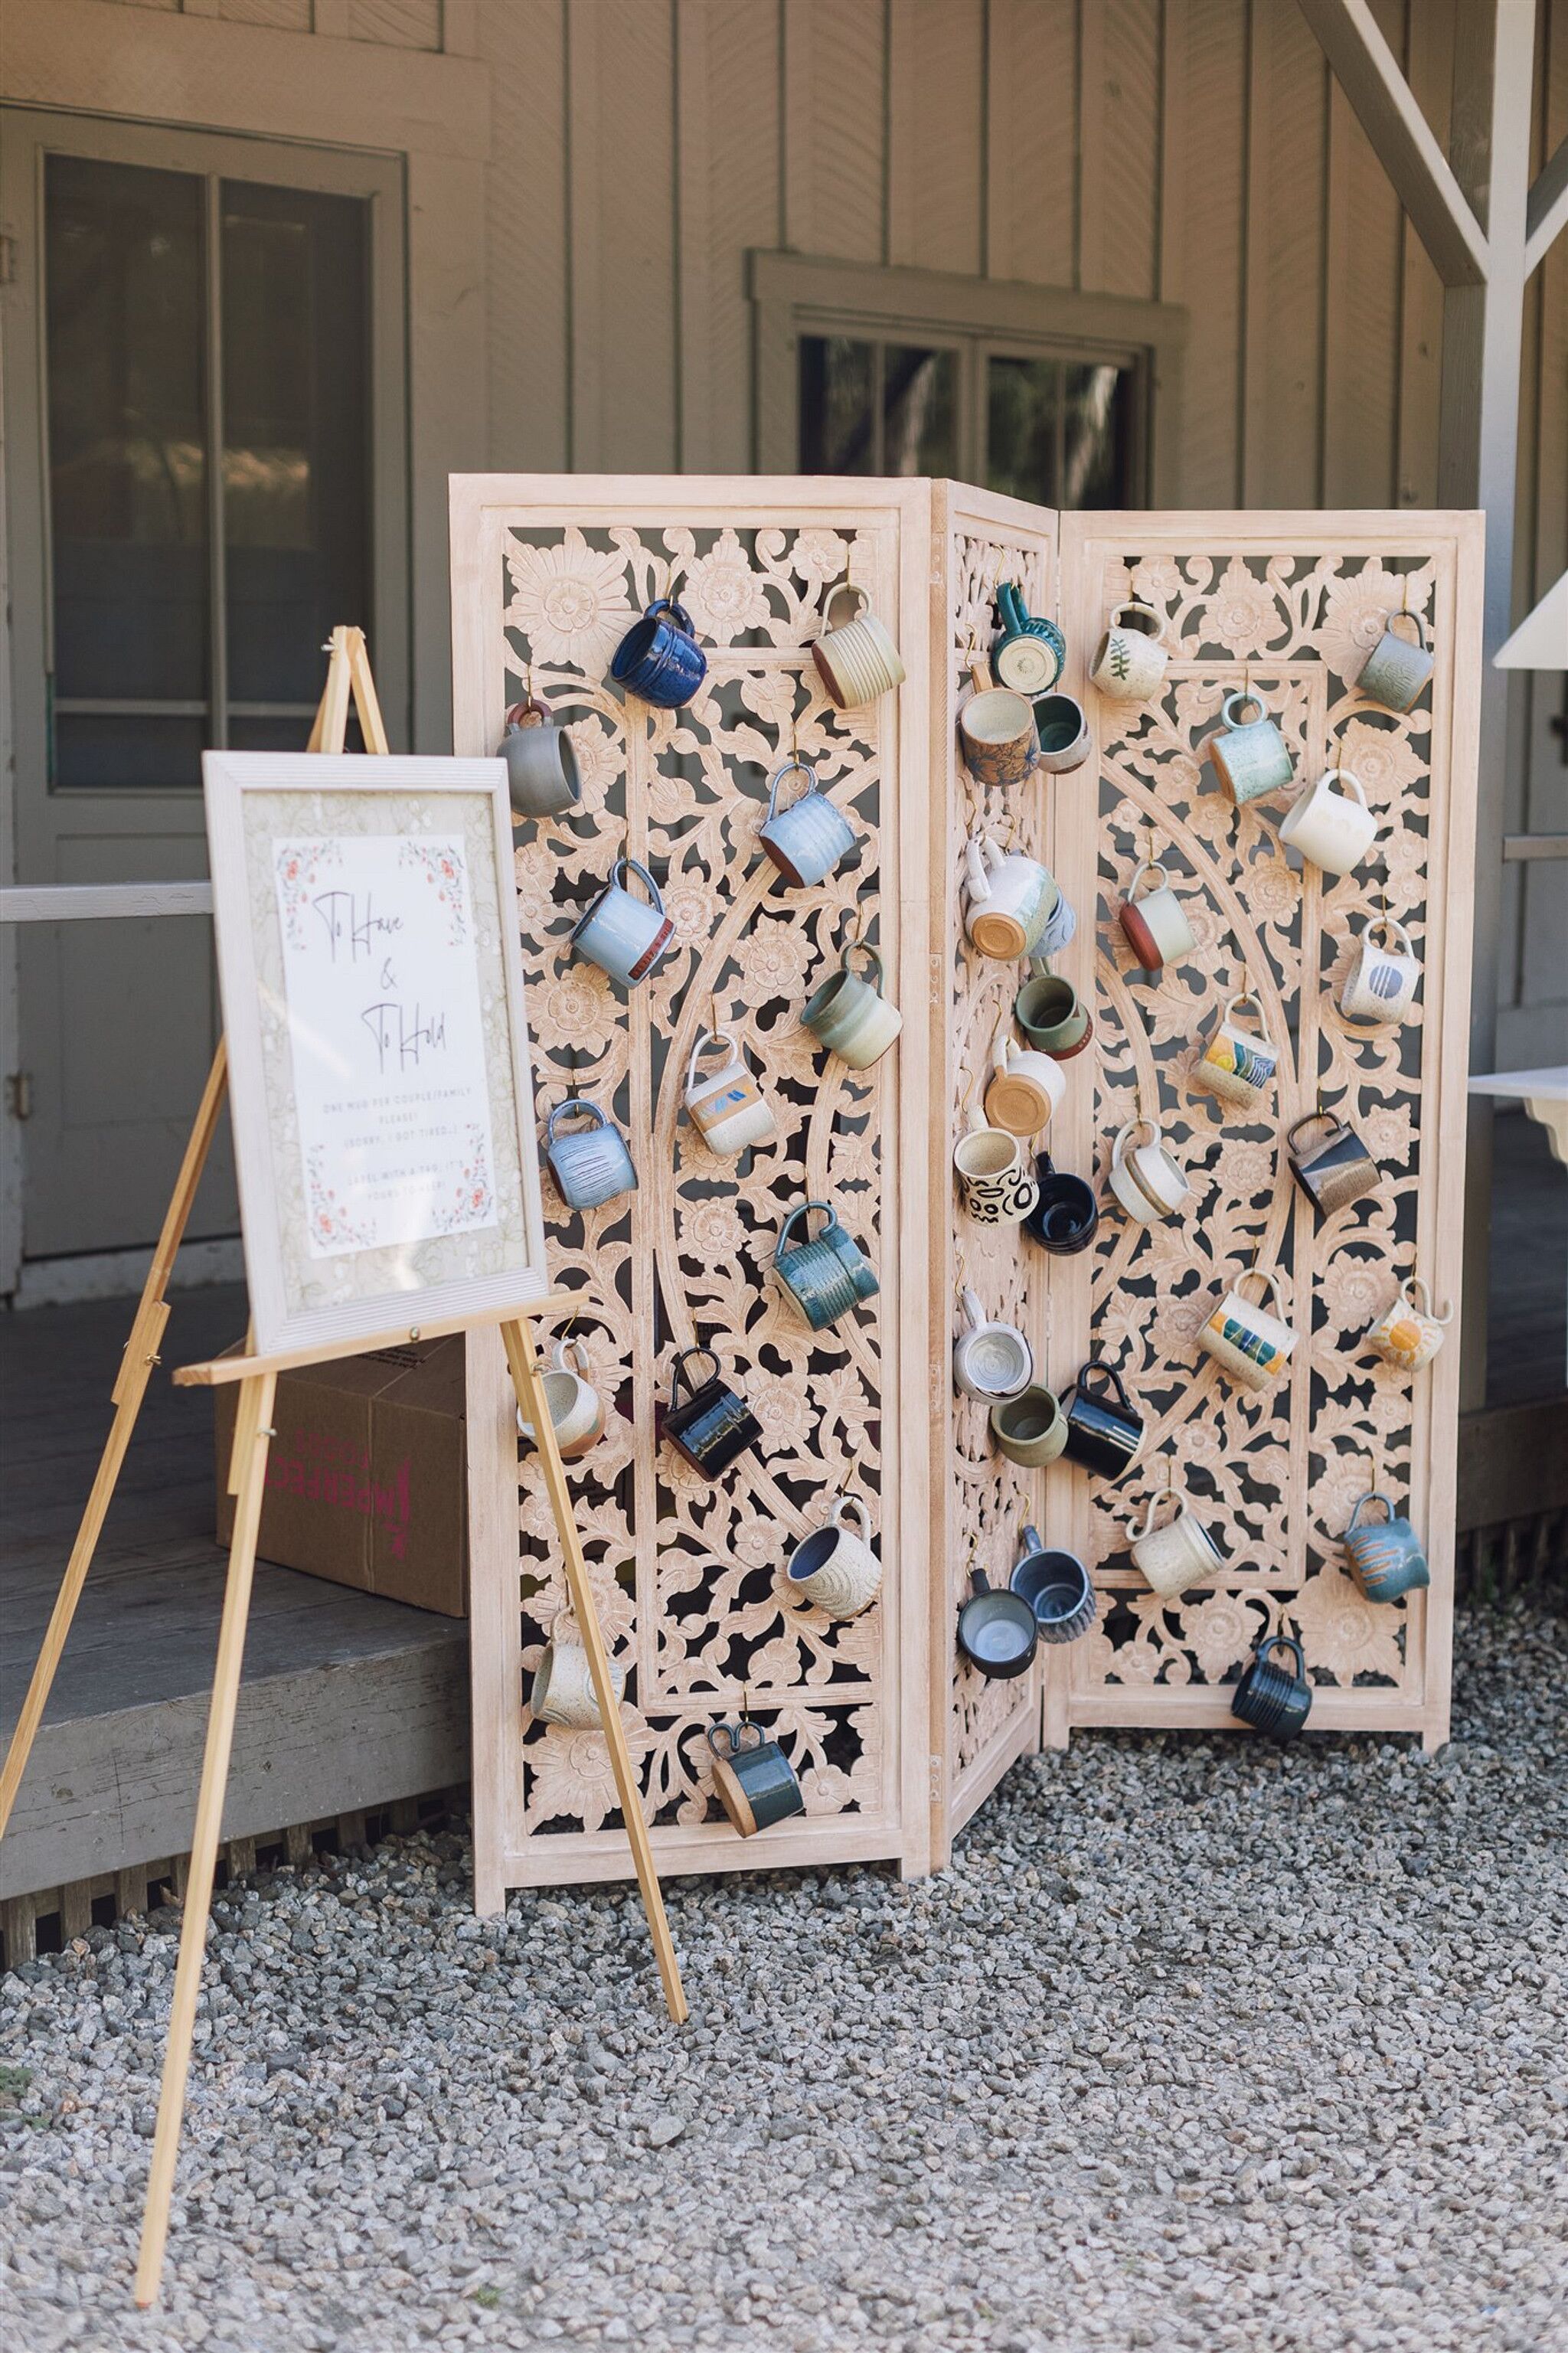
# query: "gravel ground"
x,y
1199,2044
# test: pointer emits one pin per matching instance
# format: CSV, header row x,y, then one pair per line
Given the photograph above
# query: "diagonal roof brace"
x,y
1548,215
1402,138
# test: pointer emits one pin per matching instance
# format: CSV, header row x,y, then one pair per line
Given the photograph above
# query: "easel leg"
x,y
130,1388
523,1358
255,1417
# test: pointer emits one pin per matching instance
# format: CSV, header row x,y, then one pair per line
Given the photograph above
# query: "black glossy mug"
x,y
1268,1697
1063,1221
1104,1431
754,1781
712,1424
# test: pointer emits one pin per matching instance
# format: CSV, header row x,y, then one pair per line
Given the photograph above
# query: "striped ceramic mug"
x,y
1243,1339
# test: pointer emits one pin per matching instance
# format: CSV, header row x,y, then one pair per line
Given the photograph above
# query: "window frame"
x,y
795,294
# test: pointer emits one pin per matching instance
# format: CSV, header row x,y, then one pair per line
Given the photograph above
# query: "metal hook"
x,y
745,1703
529,677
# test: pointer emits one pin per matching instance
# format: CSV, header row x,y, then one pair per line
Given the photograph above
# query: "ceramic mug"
x,y
575,1408
753,1778
991,1359
1052,1016
807,838
856,660
1063,1218
1000,746
1267,1695
659,659
1179,1554
1338,1171
1008,898
563,1690
1058,928
825,1276
1130,665
1381,984
1057,1587
1154,925
1149,1185
850,1016
1409,1334
1250,756
712,1424
1237,1065
1024,1089
1243,1339
1029,654
993,1174
623,934
726,1107
1397,668
541,777
835,1567
591,1165
1333,829
997,1632
1104,1431
1386,1560
1030,1428
1061,723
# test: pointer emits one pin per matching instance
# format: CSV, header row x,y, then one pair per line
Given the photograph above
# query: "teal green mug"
x,y
1386,1560
825,1276
1029,654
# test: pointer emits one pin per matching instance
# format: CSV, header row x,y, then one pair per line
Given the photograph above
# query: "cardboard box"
x,y
367,1477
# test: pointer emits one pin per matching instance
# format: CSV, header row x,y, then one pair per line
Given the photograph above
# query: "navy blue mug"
x,y
1268,1695
658,660
1063,1218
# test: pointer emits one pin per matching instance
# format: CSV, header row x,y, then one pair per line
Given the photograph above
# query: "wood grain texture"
x,y
1429,66
1202,215
1120,148
395,24
840,144
524,47
1031,147
935,135
1364,273
1285,135
728,137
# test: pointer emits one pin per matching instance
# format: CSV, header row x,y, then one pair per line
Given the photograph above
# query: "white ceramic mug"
x,y
576,1409
1237,1065
562,1688
1382,983
1130,664
1243,1339
1180,1554
1154,926
1409,1334
1335,830
835,1567
726,1107
993,1173
1025,1087
991,1359
1008,898
1149,1185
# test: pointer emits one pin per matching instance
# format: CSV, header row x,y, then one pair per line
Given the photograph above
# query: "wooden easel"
x,y
258,1377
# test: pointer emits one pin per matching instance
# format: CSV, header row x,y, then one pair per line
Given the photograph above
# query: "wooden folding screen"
x,y
896,1741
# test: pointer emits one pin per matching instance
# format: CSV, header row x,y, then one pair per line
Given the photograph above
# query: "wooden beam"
x,y
1402,138
71,902
1546,214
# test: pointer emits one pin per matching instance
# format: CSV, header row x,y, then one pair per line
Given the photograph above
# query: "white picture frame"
x,y
386,1155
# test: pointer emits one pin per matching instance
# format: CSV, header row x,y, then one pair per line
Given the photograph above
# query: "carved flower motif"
x,y
1243,614
1382,757
1158,582
1220,1633
773,959
819,555
1355,1291
722,594
783,1409
570,1772
1345,1634
535,869
571,601
1272,891
575,1009
1355,614
1385,1130
712,1231
688,903
826,1788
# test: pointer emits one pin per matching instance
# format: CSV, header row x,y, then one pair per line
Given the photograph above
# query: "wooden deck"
x,y
348,1701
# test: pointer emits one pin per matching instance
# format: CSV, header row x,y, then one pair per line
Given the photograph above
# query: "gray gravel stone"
x,y
1199,2044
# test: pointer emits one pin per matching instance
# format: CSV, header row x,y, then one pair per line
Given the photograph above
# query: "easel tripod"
x,y
349,671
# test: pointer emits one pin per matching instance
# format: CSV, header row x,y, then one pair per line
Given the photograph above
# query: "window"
x,y
207,373
1045,394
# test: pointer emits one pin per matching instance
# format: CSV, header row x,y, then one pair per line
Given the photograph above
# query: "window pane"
x,y
1021,398
837,425
1097,460
296,433
124,321
98,753
918,399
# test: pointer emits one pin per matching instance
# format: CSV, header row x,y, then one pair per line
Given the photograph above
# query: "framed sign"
x,y
378,1052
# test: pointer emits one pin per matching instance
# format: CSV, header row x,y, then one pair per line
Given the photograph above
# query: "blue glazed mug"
x,y
1250,756
1057,1587
591,1165
659,659
1029,654
1386,1560
625,935
828,1274
806,839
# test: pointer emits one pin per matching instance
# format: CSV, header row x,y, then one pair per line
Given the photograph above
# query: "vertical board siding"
x,y
729,132
1119,207
936,175
1286,122
1032,140
1428,59
1203,239
525,219
834,198
1361,324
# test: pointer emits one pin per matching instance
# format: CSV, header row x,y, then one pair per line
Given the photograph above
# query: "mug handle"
x,y
1345,776
680,1376
844,588
1102,1373
703,1043
678,612
1263,1276
1373,1496
624,866
735,1741
973,1313
975,870
863,947
1405,613
1137,605
1117,1152
1387,926
520,713
575,1104
1421,1305
857,1505
1246,996
794,766
1309,1119
801,1209
1011,607
1156,1499
1238,699
1146,865
1270,1641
